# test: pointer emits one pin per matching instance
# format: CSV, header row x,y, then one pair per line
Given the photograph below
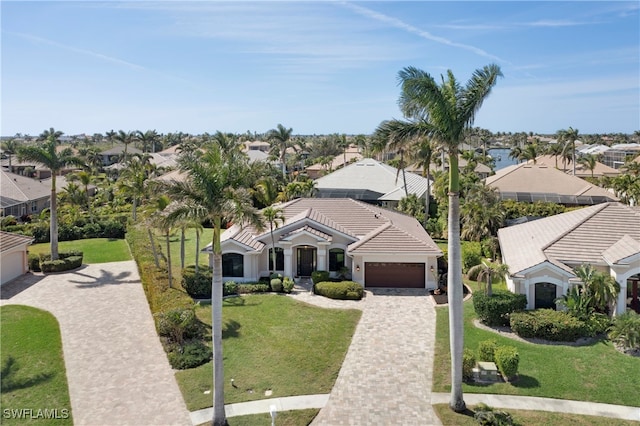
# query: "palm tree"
x,y
9,148
444,111
47,155
631,167
343,144
51,135
602,288
530,152
555,150
162,221
148,138
215,190
569,137
482,213
422,153
486,272
125,138
394,133
589,162
275,217
132,182
280,139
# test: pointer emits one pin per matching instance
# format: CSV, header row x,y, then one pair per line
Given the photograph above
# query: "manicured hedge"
x,y
468,364
319,276
66,261
496,310
557,326
345,290
197,285
507,360
246,288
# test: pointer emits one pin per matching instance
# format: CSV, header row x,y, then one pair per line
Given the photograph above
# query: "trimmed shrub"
x,y
197,285
497,309
192,354
487,416
319,276
179,324
230,288
252,288
625,330
557,326
287,284
275,275
486,350
471,255
507,360
344,290
66,261
276,285
34,262
468,363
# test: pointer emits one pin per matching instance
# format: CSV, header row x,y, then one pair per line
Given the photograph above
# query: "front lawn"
x,y
272,342
95,250
596,372
33,375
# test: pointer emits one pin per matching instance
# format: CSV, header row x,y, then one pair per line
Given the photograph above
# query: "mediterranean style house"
x,y
376,247
542,254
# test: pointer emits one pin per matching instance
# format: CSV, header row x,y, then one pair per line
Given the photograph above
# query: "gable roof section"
x,y
543,179
372,229
588,235
17,189
581,171
9,240
369,174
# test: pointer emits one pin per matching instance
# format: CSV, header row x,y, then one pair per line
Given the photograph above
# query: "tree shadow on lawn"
x,y
231,329
522,381
239,301
8,381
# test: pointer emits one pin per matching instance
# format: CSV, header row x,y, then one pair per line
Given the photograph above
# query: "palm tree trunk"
x,y
53,219
454,287
573,156
153,248
197,249
169,260
427,197
182,248
219,415
135,208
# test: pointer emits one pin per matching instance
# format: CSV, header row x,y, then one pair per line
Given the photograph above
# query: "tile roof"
x,y
371,228
17,189
581,171
543,179
604,232
10,240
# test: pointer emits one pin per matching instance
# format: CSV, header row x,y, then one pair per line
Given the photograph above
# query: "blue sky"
x,y
318,67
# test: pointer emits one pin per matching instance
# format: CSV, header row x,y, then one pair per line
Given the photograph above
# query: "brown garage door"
x,y
401,275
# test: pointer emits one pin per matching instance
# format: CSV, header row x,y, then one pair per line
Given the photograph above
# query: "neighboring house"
x,y
482,170
113,155
21,195
371,181
257,146
539,182
13,256
351,155
582,172
542,254
378,247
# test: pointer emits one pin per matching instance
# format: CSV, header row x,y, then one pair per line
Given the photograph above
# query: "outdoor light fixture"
x,y
357,268
431,269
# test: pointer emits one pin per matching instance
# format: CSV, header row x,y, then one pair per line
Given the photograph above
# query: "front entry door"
x,y
306,261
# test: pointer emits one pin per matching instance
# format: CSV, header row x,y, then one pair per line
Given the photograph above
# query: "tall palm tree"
x,y
569,138
47,155
280,140
9,148
486,272
444,111
215,190
530,152
589,162
422,154
133,180
274,217
124,138
147,139
51,135
343,144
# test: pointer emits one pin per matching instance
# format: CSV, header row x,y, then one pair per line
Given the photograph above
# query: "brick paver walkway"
x,y
117,371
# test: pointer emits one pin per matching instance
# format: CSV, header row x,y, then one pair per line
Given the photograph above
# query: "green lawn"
x,y
272,342
96,250
528,417
596,372
33,375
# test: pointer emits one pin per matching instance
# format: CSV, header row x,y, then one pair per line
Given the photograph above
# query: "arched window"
x,y
279,259
336,259
232,265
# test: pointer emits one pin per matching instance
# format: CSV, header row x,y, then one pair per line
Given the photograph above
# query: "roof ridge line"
x,y
365,238
559,237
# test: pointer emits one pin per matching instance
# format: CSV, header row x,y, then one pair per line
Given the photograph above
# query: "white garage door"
x,y
12,264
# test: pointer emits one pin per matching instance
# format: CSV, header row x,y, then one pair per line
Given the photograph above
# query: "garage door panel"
x,y
394,274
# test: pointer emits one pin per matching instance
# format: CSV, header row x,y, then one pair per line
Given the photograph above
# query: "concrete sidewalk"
x,y
117,371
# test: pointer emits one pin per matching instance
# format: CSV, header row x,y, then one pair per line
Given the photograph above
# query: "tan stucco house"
x,y
378,247
542,254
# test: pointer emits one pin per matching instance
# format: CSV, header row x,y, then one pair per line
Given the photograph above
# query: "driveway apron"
x,y
117,371
387,373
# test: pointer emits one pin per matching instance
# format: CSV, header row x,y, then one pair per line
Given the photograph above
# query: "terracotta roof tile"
x,y
9,240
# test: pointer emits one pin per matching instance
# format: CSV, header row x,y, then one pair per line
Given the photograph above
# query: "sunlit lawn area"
x,y
595,372
272,342
95,250
33,374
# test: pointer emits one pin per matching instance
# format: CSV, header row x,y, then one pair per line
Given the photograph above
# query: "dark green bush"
x,y
625,330
319,276
66,261
557,326
287,284
34,262
275,275
468,364
496,310
345,290
253,288
190,355
276,285
486,350
178,325
507,360
197,285
597,323
471,255
487,416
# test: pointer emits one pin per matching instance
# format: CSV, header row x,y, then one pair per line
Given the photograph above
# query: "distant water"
x,y
501,156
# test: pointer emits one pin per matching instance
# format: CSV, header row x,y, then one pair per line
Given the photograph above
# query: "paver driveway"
x,y
386,376
117,371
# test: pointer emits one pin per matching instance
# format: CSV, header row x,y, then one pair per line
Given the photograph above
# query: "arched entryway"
x,y
306,260
545,296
